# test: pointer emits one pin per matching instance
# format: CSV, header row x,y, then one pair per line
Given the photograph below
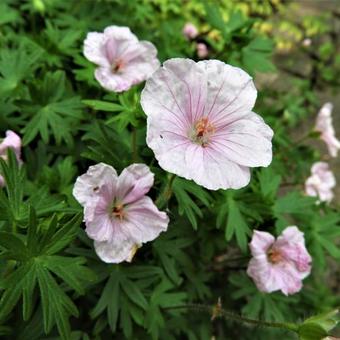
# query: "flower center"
x,y
201,132
274,256
116,66
117,211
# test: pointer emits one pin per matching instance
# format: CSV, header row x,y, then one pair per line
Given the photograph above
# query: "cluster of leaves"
x,y
51,281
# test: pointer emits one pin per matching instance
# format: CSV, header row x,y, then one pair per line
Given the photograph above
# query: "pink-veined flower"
x,y
200,123
279,264
12,141
190,31
324,125
118,216
321,182
122,59
202,50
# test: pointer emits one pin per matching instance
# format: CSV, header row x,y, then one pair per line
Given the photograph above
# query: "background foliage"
x,y
52,285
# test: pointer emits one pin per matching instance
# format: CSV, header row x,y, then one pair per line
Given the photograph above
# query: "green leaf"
x,y
269,182
311,331
109,300
15,248
54,113
184,191
293,203
257,54
62,237
56,305
133,292
14,179
162,297
13,289
214,18
71,270
236,224
16,65
103,106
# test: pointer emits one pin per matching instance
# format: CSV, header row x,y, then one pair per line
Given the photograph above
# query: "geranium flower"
x,y
202,50
321,182
200,124
117,214
123,60
279,264
13,141
190,31
325,126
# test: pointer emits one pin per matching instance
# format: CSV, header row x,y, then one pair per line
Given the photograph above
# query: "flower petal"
x,y
292,244
120,33
261,242
145,221
94,48
13,141
134,182
231,91
176,93
211,169
87,185
246,141
116,251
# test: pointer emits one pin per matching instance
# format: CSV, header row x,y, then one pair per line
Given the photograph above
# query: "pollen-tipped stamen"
x,y
202,131
118,212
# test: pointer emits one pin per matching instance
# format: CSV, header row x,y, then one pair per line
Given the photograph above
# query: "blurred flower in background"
x,y
190,31
202,50
324,125
279,264
123,60
321,182
12,141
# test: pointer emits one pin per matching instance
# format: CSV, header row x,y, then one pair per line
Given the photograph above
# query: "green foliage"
x,y
184,191
52,284
52,112
36,263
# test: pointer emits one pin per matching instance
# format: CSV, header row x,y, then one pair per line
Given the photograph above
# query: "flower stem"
x,y
166,193
134,145
217,311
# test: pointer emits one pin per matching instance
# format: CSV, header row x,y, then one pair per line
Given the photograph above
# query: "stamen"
x,y
117,211
116,66
202,131
274,256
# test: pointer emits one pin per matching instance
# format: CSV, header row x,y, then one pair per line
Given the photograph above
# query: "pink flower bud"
x,y
190,31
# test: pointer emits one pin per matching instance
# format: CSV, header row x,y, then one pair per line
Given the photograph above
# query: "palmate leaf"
x,y
38,268
16,65
53,111
325,229
269,307
63,42
185,193
14,179
232,219
269,182
257,54
13,203
169,247
128,109
122,297
162,298
99,139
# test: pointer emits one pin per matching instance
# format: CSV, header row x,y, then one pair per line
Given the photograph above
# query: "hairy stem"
x,y
134,145
166,193
217,311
